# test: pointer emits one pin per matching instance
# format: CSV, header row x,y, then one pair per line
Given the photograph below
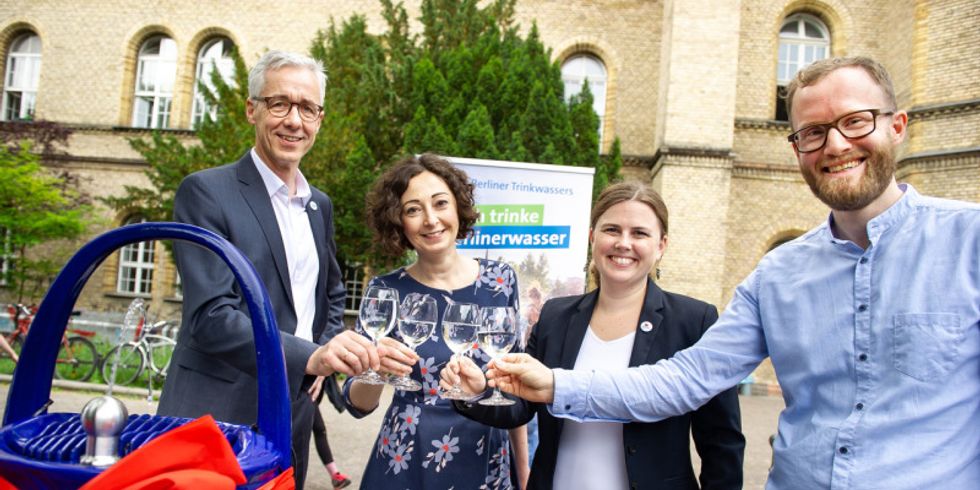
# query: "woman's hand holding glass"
x,y
418,315
459,326
463,372
497,334
396,358
376,317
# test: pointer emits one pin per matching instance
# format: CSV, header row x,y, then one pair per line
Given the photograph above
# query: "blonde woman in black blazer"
x,y
628,237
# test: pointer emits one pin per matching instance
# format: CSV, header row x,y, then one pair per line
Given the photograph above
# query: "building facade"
x,y
691,88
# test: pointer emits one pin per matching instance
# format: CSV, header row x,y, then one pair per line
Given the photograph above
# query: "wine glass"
x,y
459,325
417,317
497,333
379,308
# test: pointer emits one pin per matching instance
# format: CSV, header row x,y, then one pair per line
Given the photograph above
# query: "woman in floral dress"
x,y
425,204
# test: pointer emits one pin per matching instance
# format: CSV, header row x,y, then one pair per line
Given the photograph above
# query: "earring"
x,y
658,273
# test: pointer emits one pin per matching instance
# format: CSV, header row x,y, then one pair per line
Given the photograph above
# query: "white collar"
x,y
273,184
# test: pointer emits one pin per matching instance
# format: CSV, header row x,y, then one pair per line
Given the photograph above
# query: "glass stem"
x,y
375,342
456,385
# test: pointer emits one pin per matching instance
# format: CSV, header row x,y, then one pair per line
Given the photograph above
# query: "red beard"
x,y
841,195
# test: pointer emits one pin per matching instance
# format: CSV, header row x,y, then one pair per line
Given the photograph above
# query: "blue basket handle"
x,y
31,386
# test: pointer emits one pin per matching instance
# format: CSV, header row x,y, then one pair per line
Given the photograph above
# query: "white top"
x,y
297,238
590,454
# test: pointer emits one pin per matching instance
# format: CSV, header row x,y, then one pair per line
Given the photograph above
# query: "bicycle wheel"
x,y
132,361
159,351
77,360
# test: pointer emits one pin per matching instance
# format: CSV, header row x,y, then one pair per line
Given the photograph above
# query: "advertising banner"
x,y
535,217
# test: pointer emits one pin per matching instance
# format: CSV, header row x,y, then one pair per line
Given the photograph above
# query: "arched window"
x,y
214,55
156,70
803,39
579,68
136,266
22,75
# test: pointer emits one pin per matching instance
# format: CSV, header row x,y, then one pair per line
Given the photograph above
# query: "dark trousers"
x,y
302,414
320,431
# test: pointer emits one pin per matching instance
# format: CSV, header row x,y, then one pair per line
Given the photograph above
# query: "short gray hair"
x,y
274,60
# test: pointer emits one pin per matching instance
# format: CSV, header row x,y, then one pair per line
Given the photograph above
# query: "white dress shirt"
x,y
591,455
297,238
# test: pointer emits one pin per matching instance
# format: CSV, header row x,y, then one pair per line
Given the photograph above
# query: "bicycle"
x,y
77,358
147,349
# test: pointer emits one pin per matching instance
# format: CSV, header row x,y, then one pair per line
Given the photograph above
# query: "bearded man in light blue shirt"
x,y
872,320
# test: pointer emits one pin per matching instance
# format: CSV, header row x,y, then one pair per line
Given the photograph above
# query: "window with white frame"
x,y
156,69
803,39
579,68
136,267
214,55
354,283
6,256
22,75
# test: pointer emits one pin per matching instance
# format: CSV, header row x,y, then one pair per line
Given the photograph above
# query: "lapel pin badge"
x,y
646,326
313,205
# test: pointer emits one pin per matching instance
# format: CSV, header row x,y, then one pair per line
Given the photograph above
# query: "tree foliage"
x,y
46,137
39,208
220,139
468,84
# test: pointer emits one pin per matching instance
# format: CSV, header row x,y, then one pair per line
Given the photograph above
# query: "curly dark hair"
x,y
384,207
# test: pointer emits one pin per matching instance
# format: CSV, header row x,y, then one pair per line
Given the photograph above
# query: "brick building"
x,y
689,86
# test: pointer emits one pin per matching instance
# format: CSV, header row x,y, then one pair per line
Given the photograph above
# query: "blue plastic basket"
x,y
41,450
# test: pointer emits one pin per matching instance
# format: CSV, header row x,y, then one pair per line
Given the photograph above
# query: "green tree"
x,y
220,140
607,169
41,214
585,122
476,135
349,220
469,84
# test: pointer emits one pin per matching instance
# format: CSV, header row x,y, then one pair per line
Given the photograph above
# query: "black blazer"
x,y
657,454
213,368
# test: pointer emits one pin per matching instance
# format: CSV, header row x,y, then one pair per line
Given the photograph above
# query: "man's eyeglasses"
x,y
280,106
854,125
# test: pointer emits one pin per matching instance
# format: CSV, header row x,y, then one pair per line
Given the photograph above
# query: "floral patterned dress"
x,y
424,443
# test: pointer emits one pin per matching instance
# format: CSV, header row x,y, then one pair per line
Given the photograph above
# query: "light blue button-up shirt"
x,y
877,352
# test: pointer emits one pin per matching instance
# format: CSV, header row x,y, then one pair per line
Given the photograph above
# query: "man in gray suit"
x,y
266,208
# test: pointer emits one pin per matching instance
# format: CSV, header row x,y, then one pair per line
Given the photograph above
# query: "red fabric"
x,y
195,455
6,485
177,479
284,481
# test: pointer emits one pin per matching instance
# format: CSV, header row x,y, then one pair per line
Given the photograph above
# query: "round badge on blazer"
x,y
646,326
313,205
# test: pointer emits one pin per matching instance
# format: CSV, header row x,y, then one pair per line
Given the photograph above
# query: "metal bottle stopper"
x,y
103,419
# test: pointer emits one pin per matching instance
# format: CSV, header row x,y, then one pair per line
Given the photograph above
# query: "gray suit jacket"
x,y
213,368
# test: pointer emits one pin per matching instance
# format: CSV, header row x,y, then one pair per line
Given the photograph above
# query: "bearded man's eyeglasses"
x,y
853,125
